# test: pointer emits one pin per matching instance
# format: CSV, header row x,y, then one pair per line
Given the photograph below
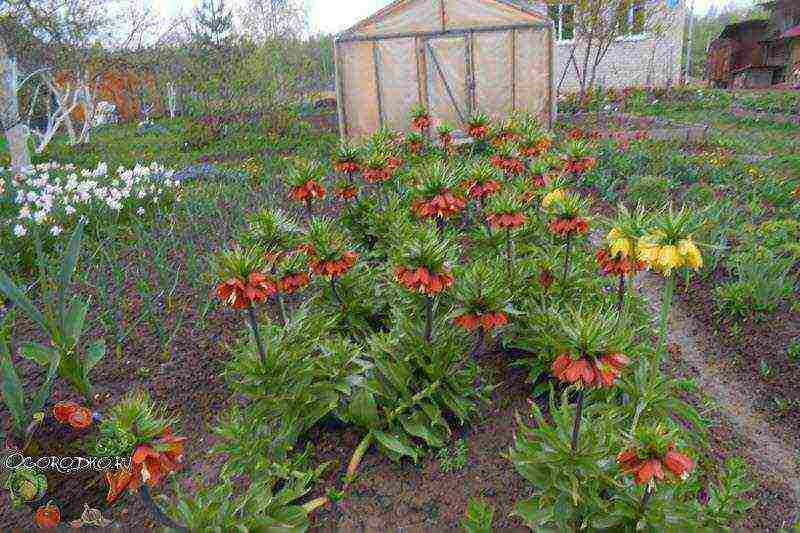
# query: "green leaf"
x,y
74,321
363,409
532,513
417,425
13,293
393,443
94,355
13,393
47,387
43,355
67,269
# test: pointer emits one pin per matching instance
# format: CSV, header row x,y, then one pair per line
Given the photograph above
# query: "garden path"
x,y
768,447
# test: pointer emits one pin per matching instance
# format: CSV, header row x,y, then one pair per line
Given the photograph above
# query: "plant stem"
x,y
479,339
251,314
576,429
666,305
483,216
282,308
309,213
620,296
361,449
155,510
335,293
566,262
428,319
510,259
646,498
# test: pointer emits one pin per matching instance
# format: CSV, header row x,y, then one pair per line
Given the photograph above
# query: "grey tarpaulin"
x,y
453,56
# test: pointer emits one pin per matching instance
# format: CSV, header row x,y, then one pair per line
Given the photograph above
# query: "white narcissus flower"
x,y
20,230
56,231
69,210
140,211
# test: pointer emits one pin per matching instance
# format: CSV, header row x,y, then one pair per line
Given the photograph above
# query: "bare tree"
x,y
15,131
272,19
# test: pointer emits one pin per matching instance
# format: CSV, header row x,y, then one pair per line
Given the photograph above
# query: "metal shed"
x,y
452,56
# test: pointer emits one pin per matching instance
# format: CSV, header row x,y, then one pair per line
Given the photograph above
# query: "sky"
x,y
331,16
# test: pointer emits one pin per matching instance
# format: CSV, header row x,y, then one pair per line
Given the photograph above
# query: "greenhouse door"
x,y
448,67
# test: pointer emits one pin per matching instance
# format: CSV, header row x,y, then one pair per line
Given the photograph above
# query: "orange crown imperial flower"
x,y
589,372
422,280
150,464
241,294
346,193
652,467
488,321
441,206
310,189
569,226
421,123
618,265
377,175
478,132
293,282
346,167
476,191
335,268
579,166
510,165
507,220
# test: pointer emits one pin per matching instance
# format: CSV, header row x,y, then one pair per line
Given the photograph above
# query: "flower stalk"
x,y
251,315
576,428
428,319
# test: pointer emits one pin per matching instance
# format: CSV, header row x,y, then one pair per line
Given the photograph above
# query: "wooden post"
x,y
514,70
337,58
376,63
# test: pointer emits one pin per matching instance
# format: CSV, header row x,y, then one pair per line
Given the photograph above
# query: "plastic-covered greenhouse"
x,y
454,57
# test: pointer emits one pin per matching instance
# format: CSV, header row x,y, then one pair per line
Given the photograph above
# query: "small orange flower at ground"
x,y
617,265
151,463
393,163
415,146
335,268
507,220
588,371
308,191
477,191
346,193
47,516
293,283
81,418
649,467
422,280
241,295
63,410
569,226
489,321
440,206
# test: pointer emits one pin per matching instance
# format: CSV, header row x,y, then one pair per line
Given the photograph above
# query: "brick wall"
x,y
634,61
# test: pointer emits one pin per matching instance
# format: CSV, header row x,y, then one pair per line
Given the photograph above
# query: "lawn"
x,y
420,326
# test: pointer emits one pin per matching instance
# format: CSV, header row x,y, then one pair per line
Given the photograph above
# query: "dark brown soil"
x,y
387,496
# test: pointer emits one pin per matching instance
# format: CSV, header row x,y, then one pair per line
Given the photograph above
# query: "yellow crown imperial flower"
x,y
669,258
553,196
620,245
690,253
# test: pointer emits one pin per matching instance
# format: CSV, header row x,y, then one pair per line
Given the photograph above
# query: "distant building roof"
x,y
732,29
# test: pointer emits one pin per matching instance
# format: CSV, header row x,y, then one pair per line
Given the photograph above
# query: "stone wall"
x,y
635,61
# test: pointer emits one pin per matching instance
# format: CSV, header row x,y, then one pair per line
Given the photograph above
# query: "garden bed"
x,y
624,126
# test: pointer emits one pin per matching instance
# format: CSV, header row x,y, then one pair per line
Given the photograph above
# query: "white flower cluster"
x,y
53,195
